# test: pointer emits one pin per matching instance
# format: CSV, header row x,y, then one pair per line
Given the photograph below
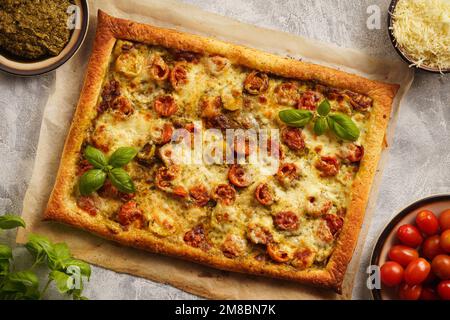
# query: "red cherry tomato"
x,y
391,273
432,247
409,235
417,271
410,292
427,222
445,240
444,220
428,293
443,289
402,254
441,266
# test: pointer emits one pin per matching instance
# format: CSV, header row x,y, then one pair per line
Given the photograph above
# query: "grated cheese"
x,y
422,29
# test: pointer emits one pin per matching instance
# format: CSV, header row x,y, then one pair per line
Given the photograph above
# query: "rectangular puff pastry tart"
x,y
122,175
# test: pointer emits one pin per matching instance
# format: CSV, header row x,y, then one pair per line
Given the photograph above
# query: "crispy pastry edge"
x,y
110,29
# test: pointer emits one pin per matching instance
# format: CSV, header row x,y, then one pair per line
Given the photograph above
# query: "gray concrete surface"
x,y
419,160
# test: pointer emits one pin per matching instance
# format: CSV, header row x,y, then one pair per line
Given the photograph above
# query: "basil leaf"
x,y
324,108
63,282
91,181
295,118
343,126
85,269
5,252
95,157
57,256
121,180
122,156
9,221
62,251
39,247
321,126
26,278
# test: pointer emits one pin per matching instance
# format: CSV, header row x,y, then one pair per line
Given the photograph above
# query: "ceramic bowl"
x,y
402,53
387,238
20,67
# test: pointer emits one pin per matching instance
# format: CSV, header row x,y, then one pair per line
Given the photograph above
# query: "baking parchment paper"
x,y
191,277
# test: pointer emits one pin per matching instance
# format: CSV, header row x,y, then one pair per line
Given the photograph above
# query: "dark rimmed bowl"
x,y
20,67
435,203
402,53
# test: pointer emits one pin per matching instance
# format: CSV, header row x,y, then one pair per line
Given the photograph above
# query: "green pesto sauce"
x,y
34,29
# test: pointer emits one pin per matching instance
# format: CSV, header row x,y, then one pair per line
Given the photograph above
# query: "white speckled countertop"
x,y
419,158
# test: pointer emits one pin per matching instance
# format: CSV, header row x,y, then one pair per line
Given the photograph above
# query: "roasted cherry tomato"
x,y
410,292
431,247
391,273
165,105
444,220
427,222
441,266
409,235
286,220
428,293
445,240
443,289
403,254
263,194
238,176
417,271
293,138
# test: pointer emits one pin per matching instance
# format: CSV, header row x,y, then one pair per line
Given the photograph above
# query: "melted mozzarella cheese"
x,y
131,132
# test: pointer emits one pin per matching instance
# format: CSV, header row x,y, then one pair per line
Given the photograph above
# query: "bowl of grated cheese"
x,y
420,32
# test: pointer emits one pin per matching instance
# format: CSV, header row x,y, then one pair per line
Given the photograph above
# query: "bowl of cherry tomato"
x,y
413,253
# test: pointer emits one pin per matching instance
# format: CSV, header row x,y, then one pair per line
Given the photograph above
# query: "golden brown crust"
x,y
109,29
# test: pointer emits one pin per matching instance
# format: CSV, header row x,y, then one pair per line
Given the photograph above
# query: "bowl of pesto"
x,y
39,36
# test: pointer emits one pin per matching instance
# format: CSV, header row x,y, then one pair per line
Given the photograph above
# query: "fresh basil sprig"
x,y
295,118
340,124
59,260
67,273
94,179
